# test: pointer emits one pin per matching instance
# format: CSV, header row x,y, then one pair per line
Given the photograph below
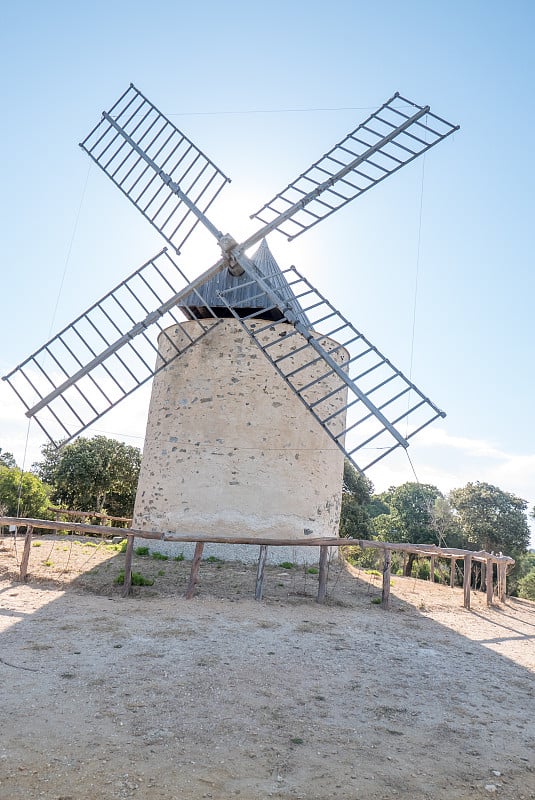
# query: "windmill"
x,y
347,392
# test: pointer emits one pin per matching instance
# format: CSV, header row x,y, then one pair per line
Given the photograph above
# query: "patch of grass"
x,y
141,551
312,570
214,560
376,601
48,563
287,565
137,579
90,544
179,557
36,544
373,572
117,547
297,740
159,556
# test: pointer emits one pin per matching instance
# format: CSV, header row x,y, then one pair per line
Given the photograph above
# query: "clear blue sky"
x,y
265,89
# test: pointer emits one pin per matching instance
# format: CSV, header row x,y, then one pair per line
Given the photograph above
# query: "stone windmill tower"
x,y
261,386
229,447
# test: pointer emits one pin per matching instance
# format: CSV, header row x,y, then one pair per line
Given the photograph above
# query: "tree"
x,y
411,517
34,494
526,586
98,474
7,459
356,493
491,519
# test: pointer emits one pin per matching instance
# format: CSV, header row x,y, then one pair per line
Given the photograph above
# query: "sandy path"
x,y
156,697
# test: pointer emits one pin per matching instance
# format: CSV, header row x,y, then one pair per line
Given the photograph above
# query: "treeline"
x,y
98,474
101,475
477,516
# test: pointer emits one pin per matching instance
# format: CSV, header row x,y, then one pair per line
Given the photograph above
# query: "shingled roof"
x,y
240,294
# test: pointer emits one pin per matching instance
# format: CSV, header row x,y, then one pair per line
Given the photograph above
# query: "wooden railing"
x,y
387,548
87,515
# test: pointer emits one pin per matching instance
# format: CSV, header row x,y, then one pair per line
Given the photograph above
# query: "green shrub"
x,y
117,547
312,570
137,579
287,565
159,556
179,557
214,560
141,551
526,586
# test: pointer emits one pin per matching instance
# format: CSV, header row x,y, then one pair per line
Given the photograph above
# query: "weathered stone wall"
x,y
230,449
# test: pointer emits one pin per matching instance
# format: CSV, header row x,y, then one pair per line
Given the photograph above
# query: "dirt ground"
x,y
221,696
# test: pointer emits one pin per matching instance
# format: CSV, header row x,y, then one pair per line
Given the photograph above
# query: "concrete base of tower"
x,y
231,450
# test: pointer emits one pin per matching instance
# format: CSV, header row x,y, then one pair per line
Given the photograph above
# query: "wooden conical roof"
x,y
242,295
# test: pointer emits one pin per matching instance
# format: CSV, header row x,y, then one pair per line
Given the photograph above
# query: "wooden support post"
x,y
26,553
489,577
194,573
127,585
432,570
502,581
467,579
260,572
387,564
453,563
322,583
483,581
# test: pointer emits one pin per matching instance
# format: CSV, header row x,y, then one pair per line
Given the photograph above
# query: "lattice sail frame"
x,y
361,399
145,155
96,361
106,353
388,140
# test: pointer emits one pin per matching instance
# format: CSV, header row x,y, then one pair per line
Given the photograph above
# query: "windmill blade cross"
x,y
109,350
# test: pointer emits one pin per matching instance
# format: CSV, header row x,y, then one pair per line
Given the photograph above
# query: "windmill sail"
x,y
106,353
363,402
392,137
147,157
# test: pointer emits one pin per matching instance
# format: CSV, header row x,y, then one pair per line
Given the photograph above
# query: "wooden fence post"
x,y
453,567
467,579
194,574
322,583
26,553
260,572
127,585
489,577
432,570
387,563
502,581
